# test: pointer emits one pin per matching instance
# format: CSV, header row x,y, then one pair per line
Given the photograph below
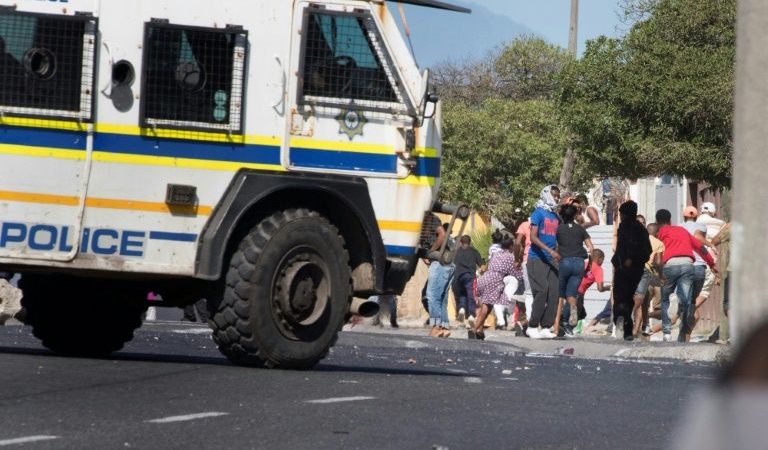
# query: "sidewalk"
x,y
590,346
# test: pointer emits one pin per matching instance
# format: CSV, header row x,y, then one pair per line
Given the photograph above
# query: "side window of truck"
x,y
193,77
344,59
47,65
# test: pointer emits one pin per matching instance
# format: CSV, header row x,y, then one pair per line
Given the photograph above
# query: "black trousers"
x,y
625,283
545,287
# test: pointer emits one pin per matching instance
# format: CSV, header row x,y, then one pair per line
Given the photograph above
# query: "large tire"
x,y
81,317
287,293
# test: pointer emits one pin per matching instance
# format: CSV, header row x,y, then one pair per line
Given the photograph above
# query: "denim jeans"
x,y
678,277
437,293
464,293
570,273
699,275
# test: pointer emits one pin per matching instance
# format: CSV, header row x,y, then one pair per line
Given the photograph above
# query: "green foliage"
x,y
528,68
660,100
481,240
497,156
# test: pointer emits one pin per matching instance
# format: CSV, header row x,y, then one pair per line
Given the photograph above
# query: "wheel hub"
x,y
302,291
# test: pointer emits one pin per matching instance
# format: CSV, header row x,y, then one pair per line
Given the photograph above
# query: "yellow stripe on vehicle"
x,y
185,163
48,199
135,205
393,225
418,181
105,203
42,152
44,123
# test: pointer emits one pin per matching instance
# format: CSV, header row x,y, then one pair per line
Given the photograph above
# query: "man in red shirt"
x,y
677,271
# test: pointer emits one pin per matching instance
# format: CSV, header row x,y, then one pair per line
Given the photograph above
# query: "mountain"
x,y
440,35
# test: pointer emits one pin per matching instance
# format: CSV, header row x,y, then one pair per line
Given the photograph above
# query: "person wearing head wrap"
x,y
548,198
633,248
542,264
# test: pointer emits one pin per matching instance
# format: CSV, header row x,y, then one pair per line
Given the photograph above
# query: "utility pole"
x,y
574,29
749,307
569,162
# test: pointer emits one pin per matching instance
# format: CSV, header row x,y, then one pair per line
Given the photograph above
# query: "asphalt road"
x,y
171,389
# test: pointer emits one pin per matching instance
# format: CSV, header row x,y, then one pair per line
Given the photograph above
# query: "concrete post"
x,y
749,302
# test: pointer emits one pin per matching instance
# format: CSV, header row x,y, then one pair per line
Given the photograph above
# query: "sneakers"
x,y
532,333
618,329
461,314
579,327
471,321
546,333
667,337
567,331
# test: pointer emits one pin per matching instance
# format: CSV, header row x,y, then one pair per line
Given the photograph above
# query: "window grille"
x,y
344,61
429,227
47,65
193,78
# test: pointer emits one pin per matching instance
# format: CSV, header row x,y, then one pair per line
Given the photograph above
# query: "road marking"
x,y
473,380
188,417
340,400
192,331
415,344
26,440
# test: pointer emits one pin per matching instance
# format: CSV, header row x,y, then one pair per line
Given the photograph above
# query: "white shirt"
x,y
713,225
692,228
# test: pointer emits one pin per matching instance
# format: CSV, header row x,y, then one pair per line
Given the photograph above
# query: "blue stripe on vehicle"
x,y
173,148
43,137
428,167
176,237
212,151
399,250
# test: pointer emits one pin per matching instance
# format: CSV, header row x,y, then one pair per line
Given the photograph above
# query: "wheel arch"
x,y
254,195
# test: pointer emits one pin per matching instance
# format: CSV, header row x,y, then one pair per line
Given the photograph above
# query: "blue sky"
x,y
551,18
440,36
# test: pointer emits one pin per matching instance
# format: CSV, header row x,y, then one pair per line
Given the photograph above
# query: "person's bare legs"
x,y
558,316
574,310
700,300
482,313
637,314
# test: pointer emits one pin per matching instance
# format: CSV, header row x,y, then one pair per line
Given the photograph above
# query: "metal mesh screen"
x,y
193,78
47,65
429,230
344,60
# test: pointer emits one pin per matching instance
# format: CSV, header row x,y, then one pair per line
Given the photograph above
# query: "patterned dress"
x,y
490,286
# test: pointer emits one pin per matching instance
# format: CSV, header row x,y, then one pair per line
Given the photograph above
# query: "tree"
x,y
659,100
498,156
503,140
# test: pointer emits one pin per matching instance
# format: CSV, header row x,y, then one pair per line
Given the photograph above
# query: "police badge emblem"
x,y
351,123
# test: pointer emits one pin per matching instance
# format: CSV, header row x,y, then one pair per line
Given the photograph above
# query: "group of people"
x,y
552,255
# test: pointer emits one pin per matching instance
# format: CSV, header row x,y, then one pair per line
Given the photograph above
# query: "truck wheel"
x,y
82,318
287,293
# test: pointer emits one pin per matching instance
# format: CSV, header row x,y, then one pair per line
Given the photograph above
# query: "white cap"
x,y
708,207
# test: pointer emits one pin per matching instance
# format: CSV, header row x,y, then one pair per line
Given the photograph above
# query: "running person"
x,y
490,286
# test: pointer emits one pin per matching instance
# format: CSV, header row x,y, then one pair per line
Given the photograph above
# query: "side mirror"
x,y
429,105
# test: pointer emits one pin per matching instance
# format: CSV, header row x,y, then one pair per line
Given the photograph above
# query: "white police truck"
x,y
276,157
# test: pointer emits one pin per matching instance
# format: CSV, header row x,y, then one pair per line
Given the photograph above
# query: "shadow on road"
x,y
221,361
